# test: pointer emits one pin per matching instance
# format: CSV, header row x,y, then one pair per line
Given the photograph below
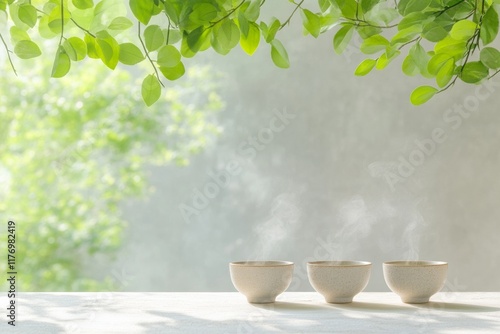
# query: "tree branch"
x,y
8,54
147,53
227,15
291,15
62,23
82,28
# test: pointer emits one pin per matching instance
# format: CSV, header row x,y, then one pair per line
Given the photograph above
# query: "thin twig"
x,y
491,76
168,29
82,28
62,23
365,23
147,53
227,15
409,42
291,15
8,54
448,7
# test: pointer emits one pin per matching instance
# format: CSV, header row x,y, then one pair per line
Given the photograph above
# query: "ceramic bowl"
x,y
339,281
415,281
261,281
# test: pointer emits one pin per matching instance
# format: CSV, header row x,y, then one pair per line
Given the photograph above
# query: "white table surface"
x,y
294,312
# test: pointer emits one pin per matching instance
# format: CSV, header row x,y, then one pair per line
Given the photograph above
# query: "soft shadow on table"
x,y
361,306
456,307
290,306
182,323
371,307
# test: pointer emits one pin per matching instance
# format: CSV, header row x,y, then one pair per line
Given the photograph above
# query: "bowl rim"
x,y
339,264
416,263
253,264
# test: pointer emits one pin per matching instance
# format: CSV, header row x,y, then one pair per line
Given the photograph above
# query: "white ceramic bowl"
x,y
415,281
339,281
261,281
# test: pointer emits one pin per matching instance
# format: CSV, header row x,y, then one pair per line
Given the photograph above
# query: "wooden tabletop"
x,y
294,312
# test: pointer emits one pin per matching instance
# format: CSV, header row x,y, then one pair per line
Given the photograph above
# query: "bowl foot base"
x,y
261,300
415,300
339,300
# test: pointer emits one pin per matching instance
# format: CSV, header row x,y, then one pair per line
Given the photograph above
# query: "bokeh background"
x,y
103,187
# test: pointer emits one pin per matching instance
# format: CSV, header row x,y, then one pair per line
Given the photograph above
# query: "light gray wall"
x,y
320,188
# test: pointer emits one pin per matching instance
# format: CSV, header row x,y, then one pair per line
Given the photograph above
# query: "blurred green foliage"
x,y
72,150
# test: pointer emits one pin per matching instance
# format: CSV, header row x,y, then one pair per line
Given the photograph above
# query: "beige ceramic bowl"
x,y
339,281
415,281
261,281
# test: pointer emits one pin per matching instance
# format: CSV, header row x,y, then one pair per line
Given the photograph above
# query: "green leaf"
x,y
490,57
437,61
243,24
108,49
279,54
62,64
445,73
473,72
374,44
27,49
253,11
153,38
142,10
420,57
489,27
173,73
130,54
311,22
418,19
347,7
422,94
83,4
366,5
27,14
151,90
463,30
91,46
227,36
172,36
434,32
17,34
367,31
44,29
269,32
365,67
250,42
324,5
342,38
406,7
385,59
203,13
406,35
381,14
196,40
168,56
173,10
120,23
409,67
55,19
452,47
75,48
